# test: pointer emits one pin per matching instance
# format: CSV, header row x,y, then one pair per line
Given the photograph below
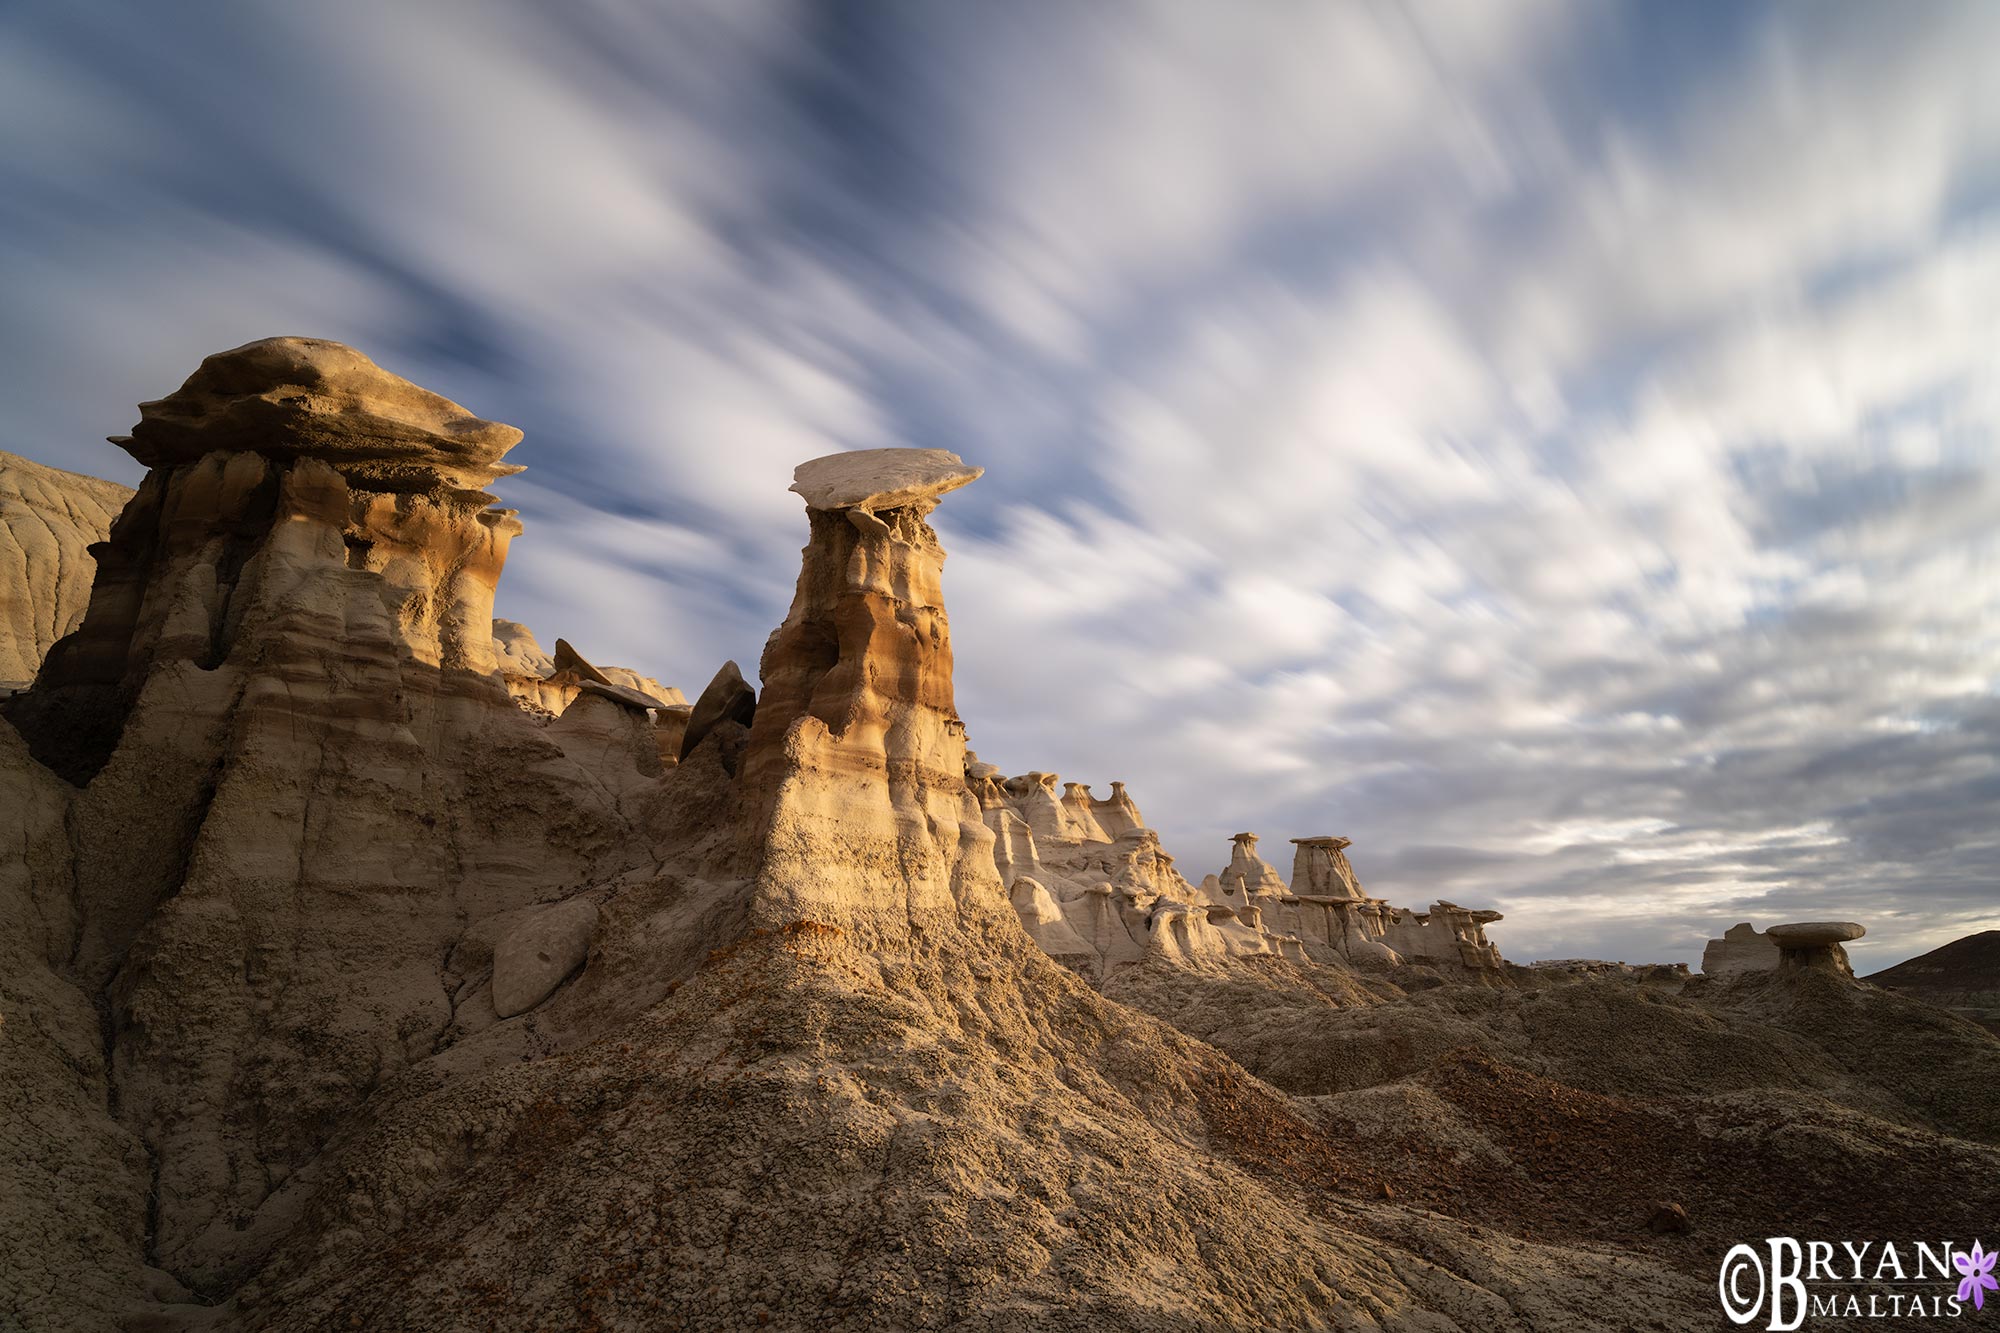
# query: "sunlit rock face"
x,y
301,774
49,521
1074,882
856,756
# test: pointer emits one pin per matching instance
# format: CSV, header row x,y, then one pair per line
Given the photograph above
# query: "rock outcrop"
x,y
1806,944
300,776
548,684
1248,875
1122,898
727,704
1742,948
49,520
1815,945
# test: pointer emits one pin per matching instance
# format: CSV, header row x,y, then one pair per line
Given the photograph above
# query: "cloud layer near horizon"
x,y
1553,445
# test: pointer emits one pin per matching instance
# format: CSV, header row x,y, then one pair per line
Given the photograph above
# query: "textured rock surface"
x,y
537,955
304,781
49,519
340,990
728,698
1742,948
292,398
1815,944
548,684
874,479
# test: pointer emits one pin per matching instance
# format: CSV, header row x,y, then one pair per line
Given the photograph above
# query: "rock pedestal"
x,y
855,765
1815,946
1320,869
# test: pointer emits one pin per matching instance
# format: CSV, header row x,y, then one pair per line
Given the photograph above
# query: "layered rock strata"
x,y
298,775
1742,948
49,521
1098,901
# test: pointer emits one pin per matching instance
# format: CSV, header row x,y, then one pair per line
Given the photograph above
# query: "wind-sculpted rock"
x,y
304,777
547,685
856,743
1063,845
286,399
1248,875
1320,869
868,480
1815,945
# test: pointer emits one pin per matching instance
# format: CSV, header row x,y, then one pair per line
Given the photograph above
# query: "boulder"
x,y
539,954
1815,945
871,480
728,698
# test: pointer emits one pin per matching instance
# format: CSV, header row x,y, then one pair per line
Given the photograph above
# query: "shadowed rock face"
x,y
1963,976
728,698
1741,948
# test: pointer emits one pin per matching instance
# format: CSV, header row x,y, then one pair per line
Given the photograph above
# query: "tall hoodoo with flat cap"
x,y
857,749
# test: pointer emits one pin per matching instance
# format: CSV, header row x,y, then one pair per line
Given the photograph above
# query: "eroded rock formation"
x,y
300,773
1815,945
343,990
548,684
49,520
1742,948
1098,901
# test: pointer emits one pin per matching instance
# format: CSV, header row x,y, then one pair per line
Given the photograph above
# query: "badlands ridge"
x,y
365,965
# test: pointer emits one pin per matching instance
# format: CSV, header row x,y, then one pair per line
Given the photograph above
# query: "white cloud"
x,y
1585,497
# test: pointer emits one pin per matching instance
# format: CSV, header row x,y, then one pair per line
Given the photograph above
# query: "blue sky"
x,y
1550,444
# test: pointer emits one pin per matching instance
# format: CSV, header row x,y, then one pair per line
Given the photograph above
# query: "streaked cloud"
x,y
1552,445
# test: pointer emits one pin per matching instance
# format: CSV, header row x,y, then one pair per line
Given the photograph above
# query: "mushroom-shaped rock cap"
x,y
308,397
1814,934
875,479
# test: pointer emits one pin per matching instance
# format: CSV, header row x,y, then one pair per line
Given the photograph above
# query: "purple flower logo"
x,y
1977,1265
